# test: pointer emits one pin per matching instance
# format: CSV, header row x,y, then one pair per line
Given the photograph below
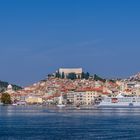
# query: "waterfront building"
x,y
79,98
91,94
70,97
33,100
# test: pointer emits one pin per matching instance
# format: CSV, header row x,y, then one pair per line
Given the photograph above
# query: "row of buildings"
x,y
82,92
78,91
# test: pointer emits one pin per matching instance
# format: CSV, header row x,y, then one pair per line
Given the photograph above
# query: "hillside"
x,y
135,77
3,86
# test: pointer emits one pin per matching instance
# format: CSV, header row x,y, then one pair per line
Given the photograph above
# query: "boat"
x,y
120,101
61,106
1,103
60,103
21,103
14,104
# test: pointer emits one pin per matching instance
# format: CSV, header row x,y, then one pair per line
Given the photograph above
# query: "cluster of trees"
x,y
85,75
15,87
73,76
58,75
98,78
6,98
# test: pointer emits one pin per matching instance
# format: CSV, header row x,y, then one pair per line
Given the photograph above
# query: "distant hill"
x,y
135,77
3,86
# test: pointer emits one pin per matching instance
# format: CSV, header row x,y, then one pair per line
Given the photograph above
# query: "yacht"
x,y
60,103
119,101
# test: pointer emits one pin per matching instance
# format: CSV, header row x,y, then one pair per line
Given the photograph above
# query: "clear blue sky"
x,y
39,36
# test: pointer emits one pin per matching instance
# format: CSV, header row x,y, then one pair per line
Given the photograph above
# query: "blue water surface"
x,y
41,123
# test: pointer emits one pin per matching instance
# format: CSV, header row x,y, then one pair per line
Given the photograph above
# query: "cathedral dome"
x,y
9,87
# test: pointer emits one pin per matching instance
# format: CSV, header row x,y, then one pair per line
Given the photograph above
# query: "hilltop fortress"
x,y
67,71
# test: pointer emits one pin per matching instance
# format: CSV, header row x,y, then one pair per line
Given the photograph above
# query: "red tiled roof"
x,y
99,89
106,93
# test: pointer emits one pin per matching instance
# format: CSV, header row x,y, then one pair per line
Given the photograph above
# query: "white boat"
x,y
14,104
120,101
61,106
21,103
1,103
60,103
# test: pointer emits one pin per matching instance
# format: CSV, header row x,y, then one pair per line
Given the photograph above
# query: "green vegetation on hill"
x,y
72,76
3,86
5,98
98,78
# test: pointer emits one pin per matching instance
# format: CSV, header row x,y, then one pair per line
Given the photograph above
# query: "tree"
x,y
63,75
96,78
57,75
6,98
111,80
87,75
82,75
72,76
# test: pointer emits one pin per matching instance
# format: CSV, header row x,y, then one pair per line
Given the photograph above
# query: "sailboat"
x,y
60,103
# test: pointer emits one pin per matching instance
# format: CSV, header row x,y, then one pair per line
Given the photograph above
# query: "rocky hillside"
x,y
135,77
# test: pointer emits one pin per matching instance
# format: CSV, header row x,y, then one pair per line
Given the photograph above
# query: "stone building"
x,y
67,71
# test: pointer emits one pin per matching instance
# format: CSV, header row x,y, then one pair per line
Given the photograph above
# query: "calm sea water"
x,y
40,123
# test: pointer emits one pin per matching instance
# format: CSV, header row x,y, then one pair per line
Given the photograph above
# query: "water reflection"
x,y
43,110
40,122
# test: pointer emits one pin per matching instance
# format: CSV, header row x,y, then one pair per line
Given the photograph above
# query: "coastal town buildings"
x,y
85,96
34,100
77,91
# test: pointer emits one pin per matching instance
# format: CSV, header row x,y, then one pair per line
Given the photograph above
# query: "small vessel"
x,y
14,104
1,103
120,101
21,103
78,108
60,103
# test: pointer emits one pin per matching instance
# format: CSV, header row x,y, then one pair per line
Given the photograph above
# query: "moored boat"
x,y
60,103
14,104
120,101
1,103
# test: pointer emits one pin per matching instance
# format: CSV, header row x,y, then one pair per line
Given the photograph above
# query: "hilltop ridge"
x,y
135,77
3,86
